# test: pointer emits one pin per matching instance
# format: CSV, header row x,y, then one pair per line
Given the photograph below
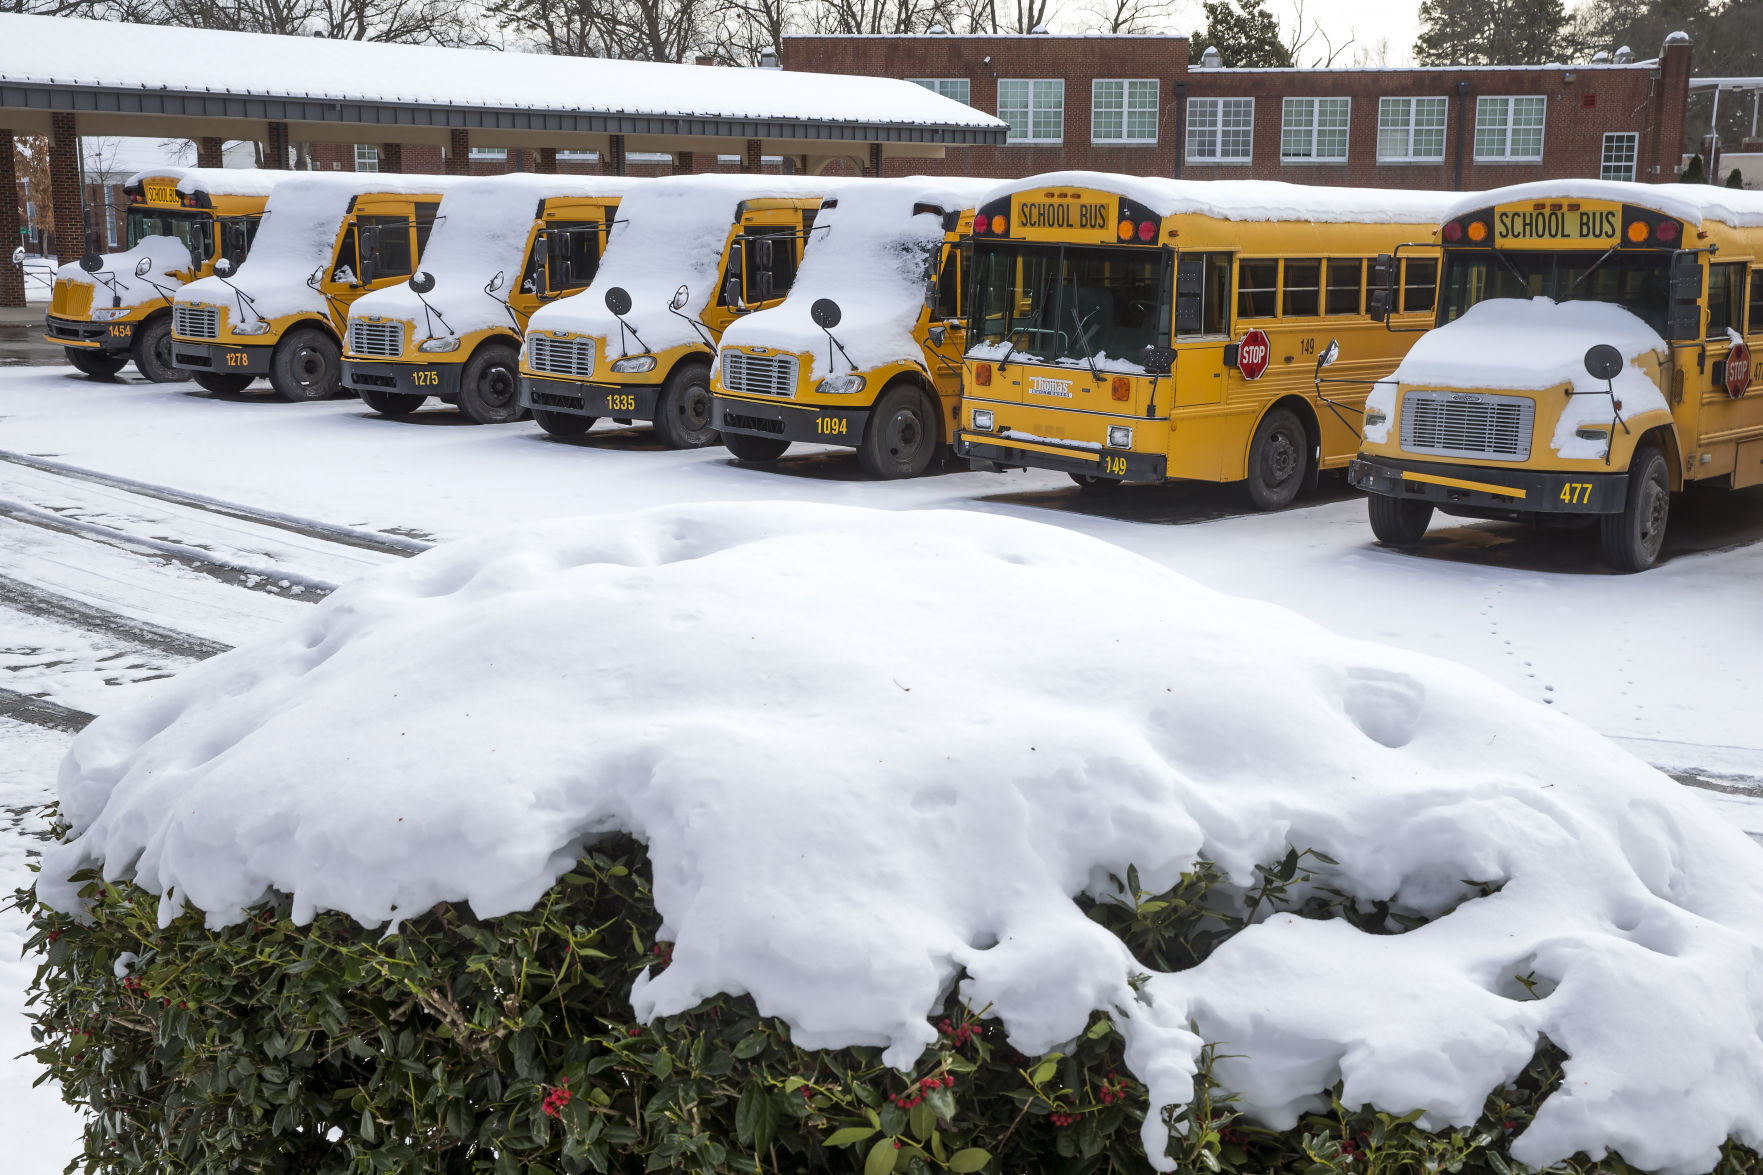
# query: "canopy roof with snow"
x,y
104,68
1692,202
1250,199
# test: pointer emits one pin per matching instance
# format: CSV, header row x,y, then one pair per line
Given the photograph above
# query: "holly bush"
x,y
454,1044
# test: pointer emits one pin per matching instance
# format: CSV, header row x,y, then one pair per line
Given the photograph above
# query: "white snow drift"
x,y
867,749
117,283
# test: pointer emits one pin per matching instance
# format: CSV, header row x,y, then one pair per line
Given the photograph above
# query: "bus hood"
x,y
169,259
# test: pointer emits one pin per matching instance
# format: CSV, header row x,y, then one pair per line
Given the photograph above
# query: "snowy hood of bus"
x,y
169,258
1001,353
1533,345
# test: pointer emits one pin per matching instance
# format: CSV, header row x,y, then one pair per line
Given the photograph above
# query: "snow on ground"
x,y
39,279
842,827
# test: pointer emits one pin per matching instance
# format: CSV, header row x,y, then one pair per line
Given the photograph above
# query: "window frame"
x,y
1754,309
1362,266
1126,138
1314,130
1482,103
1634,155
1218,131
372,156
1410,127
1030,110
1735,307
940,86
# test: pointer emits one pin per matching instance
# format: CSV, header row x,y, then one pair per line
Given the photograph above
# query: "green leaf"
x,y
921,1120
1100,1029
881,1157
1044,1072
941,1103
971,1159
747,1112
751,1046
848,1135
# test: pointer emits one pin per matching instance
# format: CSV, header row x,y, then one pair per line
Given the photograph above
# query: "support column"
x,y
275,147
545,161
64,188
11,276
210,152
392,158
682,163
874,168
751,160
459,152
612,163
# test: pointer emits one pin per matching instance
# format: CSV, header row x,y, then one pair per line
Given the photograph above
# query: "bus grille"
x,y
1458,424
382,339
195,322
759,375
574,357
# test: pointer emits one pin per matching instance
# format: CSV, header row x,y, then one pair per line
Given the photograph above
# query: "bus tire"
x,y
489,387
151,351
96,364
1089,483
307,365
1632,539
901,437
222,382
391,403
1398,522
759,450
682,413
562,424
1279,457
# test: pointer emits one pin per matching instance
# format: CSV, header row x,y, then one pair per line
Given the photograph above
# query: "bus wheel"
x,y
902,435
1089,483
682,414
391,403
489,387
562,424
222,382
746,447
152,352
1398,522
95,363
307,366
1632,539
1278,458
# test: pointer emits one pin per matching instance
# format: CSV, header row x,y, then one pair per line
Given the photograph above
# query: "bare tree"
x,y
1307,32
426,22
1131,16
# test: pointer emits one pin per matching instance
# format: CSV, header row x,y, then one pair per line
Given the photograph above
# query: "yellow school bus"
x,y
1138,330
325,241
502,247
866,351
1592,354
108,309
688,255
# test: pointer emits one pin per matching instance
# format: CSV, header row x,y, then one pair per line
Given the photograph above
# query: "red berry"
x,y
896,1144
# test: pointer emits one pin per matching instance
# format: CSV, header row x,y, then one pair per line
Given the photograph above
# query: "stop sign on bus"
x,y
1738,370
1252,354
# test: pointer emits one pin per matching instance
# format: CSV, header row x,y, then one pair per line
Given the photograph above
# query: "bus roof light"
x,y
1478,231
1147,230
1637,231
1125,230
1454,232
1666,231
999,225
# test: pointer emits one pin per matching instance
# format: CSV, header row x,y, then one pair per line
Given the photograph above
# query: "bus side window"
x,y
425,224
1257,288
1726,295
1754,323
1420,279
1202,293
1346,282
394,258
348,264
1302,291
949,286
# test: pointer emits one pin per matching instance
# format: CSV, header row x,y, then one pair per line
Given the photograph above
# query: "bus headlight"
x,y
251,328
450,343
109,313
840,385
1119,436
982,419
1374,419
634,364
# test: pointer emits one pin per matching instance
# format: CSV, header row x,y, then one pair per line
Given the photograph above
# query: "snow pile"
x,y
837,825
1251,199
1535,345
669,233
298,234
872,256
169,261
1692,202
218,181
483,227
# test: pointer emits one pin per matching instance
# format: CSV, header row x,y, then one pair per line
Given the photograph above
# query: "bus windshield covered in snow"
x,y
1592,354
1141,330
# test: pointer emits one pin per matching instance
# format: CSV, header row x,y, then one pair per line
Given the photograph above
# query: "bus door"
x,y
945,310
1202,327
1721,411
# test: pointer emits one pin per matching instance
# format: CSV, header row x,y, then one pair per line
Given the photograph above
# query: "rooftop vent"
x,y
1212,58
1678,38
1600,57
768,58
1624,55
1039,30
936,30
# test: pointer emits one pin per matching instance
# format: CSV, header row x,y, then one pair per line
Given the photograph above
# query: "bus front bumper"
x,y
635,402
789,422
223,359
992,451
1482,491
88,336
405,379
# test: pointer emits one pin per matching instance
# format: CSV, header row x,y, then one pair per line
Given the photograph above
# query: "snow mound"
x,y
1255,200
869,750
1534,344
169,258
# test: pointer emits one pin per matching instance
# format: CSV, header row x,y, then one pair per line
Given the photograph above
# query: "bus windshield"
x,y
194,229
1639,282
1063,302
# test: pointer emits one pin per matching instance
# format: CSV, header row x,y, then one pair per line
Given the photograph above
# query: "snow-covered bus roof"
x,y
1249,199
1692,202
217,181
61,52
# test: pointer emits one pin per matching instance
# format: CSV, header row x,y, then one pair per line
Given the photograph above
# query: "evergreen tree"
x,y
1694,173
1491,32
1245,34
1734,179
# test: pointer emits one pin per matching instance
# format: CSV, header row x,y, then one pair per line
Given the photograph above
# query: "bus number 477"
x,y
1577,493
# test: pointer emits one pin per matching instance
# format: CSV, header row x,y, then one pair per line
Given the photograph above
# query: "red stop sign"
x,y
1254,352
1738,370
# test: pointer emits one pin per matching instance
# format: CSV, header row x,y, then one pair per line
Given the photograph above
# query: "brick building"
x,y
1137,104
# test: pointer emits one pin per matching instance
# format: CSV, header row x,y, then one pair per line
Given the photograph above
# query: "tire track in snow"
x,y
38,601
42,712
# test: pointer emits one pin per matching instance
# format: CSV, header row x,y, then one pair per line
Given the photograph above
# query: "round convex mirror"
x,y
826,313
422,281
1603,362
618,300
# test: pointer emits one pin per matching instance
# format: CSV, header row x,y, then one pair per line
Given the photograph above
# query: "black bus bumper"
x,y
1481,492
577,398
405,379
991,452
223,359
88,336
789,422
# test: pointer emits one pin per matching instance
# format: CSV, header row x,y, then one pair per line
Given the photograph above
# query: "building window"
x,y
956,88
367,157
1509,129
1411,130
1123,110
1221,130
1314,128
489,152
1034,108
1620,149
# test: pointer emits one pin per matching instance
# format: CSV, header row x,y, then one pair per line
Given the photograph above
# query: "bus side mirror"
x,y
143,266
496,282
762,252
731,292
91,263
1683,319
937,335
618,300
1329,354
422,281
222,266
1158,360
1377,305
368,255
762,285
1381,297
680,297
1604,362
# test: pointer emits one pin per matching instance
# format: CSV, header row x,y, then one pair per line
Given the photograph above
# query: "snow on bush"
x,y
874,754
168,257
1535,344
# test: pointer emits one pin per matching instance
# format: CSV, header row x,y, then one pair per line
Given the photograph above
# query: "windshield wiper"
x,y
1590,269
1009,350
1083,340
